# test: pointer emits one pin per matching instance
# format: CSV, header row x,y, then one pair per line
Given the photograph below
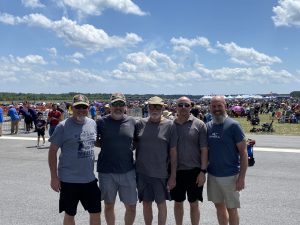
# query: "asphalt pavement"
x,y
271,196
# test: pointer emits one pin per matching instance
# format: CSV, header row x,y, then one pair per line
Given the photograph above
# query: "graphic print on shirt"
x,y
215,135
86,143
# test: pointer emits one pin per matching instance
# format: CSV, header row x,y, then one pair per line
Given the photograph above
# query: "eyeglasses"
x,y
118,104
185,105
80,106
152,107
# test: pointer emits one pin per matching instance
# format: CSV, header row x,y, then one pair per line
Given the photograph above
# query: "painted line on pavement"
x,y
287,150
19,138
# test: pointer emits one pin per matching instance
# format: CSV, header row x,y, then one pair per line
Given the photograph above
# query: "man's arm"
x,y
242,148
173,161
52,161
204,162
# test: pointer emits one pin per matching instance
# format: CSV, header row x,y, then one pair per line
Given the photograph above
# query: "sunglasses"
x,y
152,107
185,105
80,106
118,104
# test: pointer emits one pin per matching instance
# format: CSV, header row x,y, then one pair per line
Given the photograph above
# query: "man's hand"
x,y
171,183
240,184
201,178
55,184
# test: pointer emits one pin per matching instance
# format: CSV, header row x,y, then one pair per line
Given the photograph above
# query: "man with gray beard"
x,y
74,175
156,141
228,162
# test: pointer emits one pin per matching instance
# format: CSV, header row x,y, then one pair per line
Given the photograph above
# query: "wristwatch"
x,y
203,171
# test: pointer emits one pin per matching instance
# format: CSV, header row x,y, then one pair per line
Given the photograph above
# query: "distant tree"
x,y
295,94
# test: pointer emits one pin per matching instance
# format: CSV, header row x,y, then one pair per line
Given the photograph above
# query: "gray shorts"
x,y
151,189
122,183
222,190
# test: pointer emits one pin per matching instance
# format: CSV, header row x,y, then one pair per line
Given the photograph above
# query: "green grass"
x,y
280,128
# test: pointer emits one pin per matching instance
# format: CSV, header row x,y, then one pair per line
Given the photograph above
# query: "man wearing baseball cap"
x,y
74,177
115,164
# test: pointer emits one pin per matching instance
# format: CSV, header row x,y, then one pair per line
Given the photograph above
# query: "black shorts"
x,y
88,194
186,184
40,132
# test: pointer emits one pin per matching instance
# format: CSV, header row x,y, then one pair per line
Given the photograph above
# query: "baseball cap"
x,y
80,100
155,101
117,97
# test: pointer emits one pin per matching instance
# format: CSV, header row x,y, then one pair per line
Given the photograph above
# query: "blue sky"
x,y
150,46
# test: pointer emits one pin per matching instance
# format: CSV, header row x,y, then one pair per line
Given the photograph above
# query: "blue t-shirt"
x,y
116,140
223,154
1,115
13,114
76,141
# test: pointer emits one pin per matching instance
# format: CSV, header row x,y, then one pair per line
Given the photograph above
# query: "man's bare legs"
x,y
109,213
194,213
227,216
129,214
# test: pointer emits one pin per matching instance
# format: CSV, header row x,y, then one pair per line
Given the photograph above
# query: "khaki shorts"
x,y
123,184
222,190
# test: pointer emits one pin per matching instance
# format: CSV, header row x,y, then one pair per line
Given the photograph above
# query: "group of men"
x,y
152,159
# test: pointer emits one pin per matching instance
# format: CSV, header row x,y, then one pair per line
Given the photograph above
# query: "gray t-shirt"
x,y
192,136
154,141
116,140
76,141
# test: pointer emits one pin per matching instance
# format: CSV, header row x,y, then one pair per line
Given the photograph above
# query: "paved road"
x,y
271,197
276,141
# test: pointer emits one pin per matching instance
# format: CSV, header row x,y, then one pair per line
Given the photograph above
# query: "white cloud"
x,y
185,45
75,58
72,77
154,67
52,52
20,70
9,19
287,13
155,61
262,75
84,36
32,4
78,55
247,56
96,7
31,59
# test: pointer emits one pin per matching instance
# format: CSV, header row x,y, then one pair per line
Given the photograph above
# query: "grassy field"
x,y
279,128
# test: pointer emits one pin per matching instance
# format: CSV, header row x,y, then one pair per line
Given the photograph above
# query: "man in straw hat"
x,y
156,140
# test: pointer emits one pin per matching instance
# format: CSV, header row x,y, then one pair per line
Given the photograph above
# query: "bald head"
x,y
184,99
218,108
218,99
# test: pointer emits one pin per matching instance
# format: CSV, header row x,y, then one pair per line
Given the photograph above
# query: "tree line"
x,y
9,97
102,97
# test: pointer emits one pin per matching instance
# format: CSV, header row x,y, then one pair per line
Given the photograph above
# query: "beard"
x,y
155,115
219,119
80,119
117,115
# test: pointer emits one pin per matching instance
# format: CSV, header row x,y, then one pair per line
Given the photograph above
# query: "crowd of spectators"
x,y
285,110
